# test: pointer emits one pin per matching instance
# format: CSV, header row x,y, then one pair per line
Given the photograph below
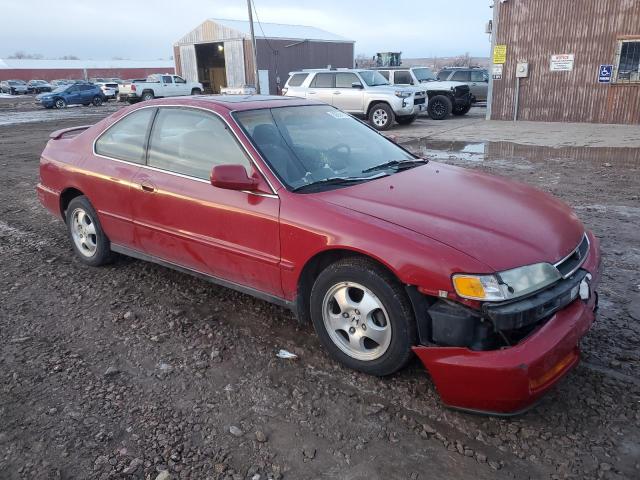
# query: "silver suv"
x,y
476,78
363,93
444,97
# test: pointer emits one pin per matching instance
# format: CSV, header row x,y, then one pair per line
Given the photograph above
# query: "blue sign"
x,y
604,74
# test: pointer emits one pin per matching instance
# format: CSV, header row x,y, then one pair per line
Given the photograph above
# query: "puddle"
x,y
514,153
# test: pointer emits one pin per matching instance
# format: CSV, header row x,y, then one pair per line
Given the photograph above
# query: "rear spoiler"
x,y
58,134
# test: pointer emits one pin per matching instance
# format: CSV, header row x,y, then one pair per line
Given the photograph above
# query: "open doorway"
x,y
211,67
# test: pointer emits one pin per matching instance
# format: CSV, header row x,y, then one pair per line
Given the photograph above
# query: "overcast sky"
x,y
146,29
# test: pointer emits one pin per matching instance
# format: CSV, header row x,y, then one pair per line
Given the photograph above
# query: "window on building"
x,y
125,139
191,142
628,61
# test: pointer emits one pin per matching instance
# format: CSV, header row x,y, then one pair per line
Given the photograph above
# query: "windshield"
x,y
60,89
314,143
424,74
373,78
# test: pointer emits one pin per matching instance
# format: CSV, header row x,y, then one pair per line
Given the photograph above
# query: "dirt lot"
x,y
131,370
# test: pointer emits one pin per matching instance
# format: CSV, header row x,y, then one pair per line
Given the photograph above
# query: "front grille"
x,y
575,259
418,101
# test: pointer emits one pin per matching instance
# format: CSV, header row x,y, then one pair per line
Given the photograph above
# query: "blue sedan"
x,y
74,94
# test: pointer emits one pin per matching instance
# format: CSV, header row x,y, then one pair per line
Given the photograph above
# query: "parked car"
x,y
444,97
476,78
155,86
72,94
14,87
109,89
38,86
491,283
59,83
364,93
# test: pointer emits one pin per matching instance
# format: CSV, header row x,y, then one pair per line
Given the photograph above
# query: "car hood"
x,y
501,223
439,85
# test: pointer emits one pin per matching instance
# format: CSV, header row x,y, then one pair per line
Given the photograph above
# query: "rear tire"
x,y
406,120
363,317
97,100
459,111
89,242
439,107
381,116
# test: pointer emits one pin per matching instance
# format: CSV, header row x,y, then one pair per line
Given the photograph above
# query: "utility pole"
x,y
253,44
494,35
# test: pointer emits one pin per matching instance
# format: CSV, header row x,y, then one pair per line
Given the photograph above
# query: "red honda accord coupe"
x,y
491,283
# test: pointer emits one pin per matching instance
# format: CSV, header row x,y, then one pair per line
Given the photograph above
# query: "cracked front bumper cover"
x,y
510,380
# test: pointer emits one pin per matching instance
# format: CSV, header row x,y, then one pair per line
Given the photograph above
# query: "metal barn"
x,y
218,53
579,61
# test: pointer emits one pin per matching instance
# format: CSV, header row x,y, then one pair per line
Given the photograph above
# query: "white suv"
x,y
364,93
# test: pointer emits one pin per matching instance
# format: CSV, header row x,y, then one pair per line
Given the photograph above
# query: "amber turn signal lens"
x,y
468,286
553,372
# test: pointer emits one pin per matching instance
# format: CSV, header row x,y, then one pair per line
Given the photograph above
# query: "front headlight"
x,y
402,94
507,284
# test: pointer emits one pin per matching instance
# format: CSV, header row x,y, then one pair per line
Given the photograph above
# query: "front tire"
x,y
89,242
196,91
439,107
60,103
406,120
463,110
147,96
363,317
381,116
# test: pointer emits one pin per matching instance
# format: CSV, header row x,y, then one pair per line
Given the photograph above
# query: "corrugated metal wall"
x,y
283,56
188,63
209,31
533,30
234,62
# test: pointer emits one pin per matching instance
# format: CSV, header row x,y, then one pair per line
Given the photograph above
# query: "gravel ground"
x,y
135,371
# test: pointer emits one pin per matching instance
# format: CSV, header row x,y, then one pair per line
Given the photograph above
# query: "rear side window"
x,y
478,76
461,76
323,80
297,79
125,139
166,79
191,142
384,73
444,74
402,77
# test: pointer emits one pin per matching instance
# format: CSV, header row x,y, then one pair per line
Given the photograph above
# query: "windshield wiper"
x,y
335,181
398,164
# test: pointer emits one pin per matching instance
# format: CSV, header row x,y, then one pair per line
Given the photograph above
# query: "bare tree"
x,y
69,57
364,61
20,54
461,60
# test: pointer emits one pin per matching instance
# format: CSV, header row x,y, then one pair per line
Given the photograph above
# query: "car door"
x,y
321,87
168,87
115,161
346,96
479,84
182,219
181,86
72,95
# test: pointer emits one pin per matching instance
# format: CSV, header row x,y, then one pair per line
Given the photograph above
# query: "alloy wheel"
x,y
356,321
380,117
83,231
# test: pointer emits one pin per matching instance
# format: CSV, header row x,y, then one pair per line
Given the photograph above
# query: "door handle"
x,y
311,93
147,187
336,93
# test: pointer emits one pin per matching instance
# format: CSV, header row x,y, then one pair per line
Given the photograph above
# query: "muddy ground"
x,y
132,370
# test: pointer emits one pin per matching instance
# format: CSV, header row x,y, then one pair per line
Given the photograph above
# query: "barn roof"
x,y
280,30
31,64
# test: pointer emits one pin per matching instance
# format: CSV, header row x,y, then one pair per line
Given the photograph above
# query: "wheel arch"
x,y
316,264
373,103
66,196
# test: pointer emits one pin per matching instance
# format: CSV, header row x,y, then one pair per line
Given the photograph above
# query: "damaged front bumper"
x,y
509,380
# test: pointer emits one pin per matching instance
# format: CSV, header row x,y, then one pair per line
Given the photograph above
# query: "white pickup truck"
x,y
165,85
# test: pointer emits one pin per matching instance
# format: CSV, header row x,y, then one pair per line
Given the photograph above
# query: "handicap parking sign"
x,y
604,74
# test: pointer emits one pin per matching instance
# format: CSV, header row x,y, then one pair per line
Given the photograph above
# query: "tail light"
x,y
133,87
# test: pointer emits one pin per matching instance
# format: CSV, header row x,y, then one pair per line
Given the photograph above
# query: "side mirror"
x,y
232,177
356,85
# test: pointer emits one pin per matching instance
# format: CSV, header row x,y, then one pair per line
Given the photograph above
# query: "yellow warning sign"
x,y
500,54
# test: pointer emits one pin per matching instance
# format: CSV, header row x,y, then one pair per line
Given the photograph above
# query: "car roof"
x,y
237,102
